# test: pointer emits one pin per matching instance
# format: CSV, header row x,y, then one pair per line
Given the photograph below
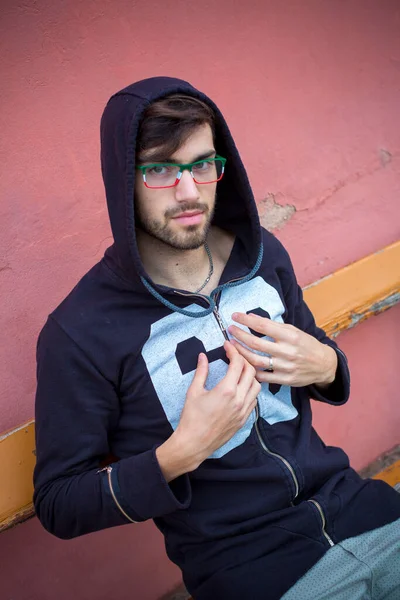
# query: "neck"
x,y
181,269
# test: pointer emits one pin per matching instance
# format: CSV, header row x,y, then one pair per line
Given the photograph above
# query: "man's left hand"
x,y
297,358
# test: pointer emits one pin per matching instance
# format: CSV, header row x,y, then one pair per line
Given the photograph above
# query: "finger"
x,y
201,373
278,331
257,361
253,392
248,412
252,341
259,344
236,364
262,363
251,398
247,379
275,377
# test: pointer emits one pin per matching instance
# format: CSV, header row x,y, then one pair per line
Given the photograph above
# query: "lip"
x,y
190,218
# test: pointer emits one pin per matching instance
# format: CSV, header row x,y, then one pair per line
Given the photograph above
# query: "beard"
x,y
191,237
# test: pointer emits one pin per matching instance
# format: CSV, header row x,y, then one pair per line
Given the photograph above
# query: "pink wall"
x,y
110,565
369,424
311,89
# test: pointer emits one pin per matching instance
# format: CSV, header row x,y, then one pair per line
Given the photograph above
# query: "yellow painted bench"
x,y
339,301
391,475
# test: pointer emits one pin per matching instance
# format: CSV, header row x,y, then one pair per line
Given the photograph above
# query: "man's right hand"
x,y
210,417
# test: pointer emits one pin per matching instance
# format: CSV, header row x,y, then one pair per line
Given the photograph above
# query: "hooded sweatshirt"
x,y
114,363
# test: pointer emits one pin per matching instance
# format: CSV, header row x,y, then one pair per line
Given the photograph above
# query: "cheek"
x,y
141,199
148,207
209,193
138,196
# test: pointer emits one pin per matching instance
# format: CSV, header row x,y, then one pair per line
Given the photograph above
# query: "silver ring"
x,y
270,368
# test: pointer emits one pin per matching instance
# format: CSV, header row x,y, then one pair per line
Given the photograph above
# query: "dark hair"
x,y
168,122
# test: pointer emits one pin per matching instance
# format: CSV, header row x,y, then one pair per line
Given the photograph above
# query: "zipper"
x,y
215,310
278,456
217,315
220,322
109,469
321,513
259,437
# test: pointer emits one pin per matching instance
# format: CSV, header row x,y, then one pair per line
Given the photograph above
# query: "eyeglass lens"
x,y
207,171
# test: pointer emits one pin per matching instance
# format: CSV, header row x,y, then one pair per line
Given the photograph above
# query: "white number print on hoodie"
x,y
175,342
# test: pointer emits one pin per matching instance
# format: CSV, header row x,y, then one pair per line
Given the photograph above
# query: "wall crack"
x,y
274,215
384,158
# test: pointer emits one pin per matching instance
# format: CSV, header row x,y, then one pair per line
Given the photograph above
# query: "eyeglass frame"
x,y
182,167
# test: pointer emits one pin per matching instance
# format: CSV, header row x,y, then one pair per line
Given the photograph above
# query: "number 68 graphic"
x,y
171,352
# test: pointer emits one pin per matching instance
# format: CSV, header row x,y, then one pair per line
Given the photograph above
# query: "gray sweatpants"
x,y
365,567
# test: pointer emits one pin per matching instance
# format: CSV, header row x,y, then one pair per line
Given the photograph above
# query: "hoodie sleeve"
x,y
301,317
76,411
339,390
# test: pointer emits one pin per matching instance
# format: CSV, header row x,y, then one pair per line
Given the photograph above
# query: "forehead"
x,y
199,143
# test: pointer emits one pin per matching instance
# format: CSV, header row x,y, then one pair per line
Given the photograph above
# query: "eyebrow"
x,y
158,158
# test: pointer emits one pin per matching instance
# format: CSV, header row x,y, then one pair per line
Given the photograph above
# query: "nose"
x,y
186,188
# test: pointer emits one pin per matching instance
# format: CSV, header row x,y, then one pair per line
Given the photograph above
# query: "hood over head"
x,y
235,208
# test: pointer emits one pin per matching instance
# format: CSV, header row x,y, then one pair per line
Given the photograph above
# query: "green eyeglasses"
x,y
166,175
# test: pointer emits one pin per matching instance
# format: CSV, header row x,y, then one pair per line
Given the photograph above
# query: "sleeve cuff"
x,y
339,390
143,491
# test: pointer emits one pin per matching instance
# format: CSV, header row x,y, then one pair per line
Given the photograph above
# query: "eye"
x,y
159,170
202,166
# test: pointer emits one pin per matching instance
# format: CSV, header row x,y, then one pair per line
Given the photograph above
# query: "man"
x,y
174,382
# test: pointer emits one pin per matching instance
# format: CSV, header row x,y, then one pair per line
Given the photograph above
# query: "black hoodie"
x,y
115,360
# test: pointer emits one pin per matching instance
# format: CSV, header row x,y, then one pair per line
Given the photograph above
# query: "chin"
x,y
190,238
189,241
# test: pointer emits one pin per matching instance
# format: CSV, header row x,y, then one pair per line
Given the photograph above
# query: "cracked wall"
x,y
274,215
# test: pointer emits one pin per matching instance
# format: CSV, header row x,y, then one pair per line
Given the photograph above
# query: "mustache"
x,y
186,207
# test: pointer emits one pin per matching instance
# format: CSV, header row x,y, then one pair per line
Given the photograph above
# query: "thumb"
x,y
201,373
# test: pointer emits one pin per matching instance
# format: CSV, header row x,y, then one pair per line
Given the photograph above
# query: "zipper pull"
x,y
108,468
220,321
